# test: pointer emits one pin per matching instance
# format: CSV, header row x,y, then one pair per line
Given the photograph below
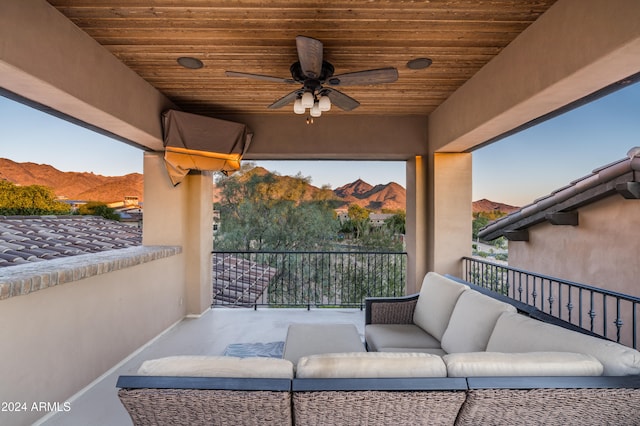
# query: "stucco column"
x,y
199,233
449,212
416,224
181,215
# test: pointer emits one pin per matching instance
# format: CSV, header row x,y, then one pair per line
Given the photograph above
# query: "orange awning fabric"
x,y
196,142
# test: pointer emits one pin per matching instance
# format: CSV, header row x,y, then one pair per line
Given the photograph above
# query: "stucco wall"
x,y
602,251
58,340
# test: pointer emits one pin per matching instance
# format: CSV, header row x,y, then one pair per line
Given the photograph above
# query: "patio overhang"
x,y
572,50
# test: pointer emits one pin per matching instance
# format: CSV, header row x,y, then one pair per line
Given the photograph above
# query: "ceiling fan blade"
x,y
341,100
287,99
379,76
259,77
310,56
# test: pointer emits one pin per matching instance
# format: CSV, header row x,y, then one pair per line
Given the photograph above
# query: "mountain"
x,y
73,185
92,187
390,196
354,190
485,205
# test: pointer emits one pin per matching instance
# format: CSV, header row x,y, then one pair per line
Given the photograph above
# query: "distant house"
x,y
377,219
131,216
342,214
74,204
129,201
587,231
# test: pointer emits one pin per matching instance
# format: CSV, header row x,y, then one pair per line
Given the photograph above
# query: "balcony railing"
x,y
602,312
306,279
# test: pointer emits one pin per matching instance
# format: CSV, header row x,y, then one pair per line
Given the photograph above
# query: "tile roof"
x,y
238,281
604,181
26,239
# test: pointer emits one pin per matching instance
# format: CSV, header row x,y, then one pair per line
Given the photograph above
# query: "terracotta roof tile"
x,y
26,239
577,193
238,281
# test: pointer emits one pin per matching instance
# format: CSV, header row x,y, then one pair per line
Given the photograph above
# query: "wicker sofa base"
x,y
376,408
193,407
395,401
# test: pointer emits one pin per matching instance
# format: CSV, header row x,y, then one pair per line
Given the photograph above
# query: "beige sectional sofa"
x,y
449,317
449,355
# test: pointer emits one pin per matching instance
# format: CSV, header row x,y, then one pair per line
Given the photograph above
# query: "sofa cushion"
x,y
472,322
370,364
438,296
518,333
380,336
479,364
218,366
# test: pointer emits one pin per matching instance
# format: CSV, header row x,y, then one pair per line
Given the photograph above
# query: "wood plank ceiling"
x,y
258,36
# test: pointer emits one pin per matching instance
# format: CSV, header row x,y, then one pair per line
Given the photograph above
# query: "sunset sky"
x,y
515,170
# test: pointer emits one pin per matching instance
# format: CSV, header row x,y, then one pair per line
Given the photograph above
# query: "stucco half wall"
x,y
58,340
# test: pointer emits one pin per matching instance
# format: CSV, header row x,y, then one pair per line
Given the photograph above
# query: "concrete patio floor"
x,y
98,404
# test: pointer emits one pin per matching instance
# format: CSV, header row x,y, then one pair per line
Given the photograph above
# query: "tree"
x,y
478,223
263,211
482,219
358,222
29,200
397,222
96,208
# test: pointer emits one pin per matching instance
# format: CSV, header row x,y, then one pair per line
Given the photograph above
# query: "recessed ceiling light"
x,y
419,63
191,63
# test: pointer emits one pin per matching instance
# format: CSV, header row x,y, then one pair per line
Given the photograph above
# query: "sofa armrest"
x,y
545,400
166,400
390,310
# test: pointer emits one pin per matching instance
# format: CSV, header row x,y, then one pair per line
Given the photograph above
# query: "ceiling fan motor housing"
x,y
299,76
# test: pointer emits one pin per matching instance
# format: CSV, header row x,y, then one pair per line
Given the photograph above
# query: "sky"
x,y
515,170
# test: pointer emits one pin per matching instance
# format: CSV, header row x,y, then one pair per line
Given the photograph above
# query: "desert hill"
x,y
488,206
92,187
73,185
390,196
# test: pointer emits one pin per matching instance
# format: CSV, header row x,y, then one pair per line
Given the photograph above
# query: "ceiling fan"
x,y
316,76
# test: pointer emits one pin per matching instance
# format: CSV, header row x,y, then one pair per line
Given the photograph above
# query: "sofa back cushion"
x,y
370,365
518,333
438,296
218,366
489,364
472,322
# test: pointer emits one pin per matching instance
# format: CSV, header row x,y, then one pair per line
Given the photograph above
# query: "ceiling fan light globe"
x,y
307,100
297,106
324,103
315,110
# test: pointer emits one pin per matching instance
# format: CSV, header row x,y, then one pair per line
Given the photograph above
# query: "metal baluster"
x,y
634,307
510,278
551,298
618,322
559,300
520,286
604,315
592,312
569,304
580,306
534,294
